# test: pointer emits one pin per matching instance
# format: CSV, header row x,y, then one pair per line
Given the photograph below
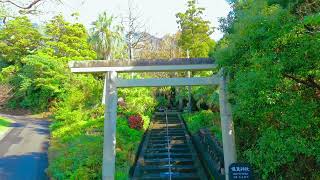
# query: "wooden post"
x,y
110,118
229,147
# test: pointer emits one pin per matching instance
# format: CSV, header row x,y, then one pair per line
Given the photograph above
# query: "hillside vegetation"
x,y
271,50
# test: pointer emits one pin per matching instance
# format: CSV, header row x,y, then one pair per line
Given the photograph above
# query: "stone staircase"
x,y
167,151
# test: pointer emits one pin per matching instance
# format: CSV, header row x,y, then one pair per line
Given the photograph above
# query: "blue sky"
x,y
159,15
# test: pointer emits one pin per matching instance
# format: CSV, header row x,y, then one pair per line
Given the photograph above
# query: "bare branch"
x,y
33,3
135,28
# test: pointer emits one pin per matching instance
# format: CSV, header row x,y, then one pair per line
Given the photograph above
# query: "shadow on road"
x,y
23,152
15,124
25,167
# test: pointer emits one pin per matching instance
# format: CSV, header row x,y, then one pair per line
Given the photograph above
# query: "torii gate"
x,y
112,82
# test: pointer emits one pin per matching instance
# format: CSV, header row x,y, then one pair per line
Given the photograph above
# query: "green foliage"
x,y
128,141
207,96
67,41
137,100
38,82
299,7
4,124
78,122
162,101
18,38
203,97
7,73
43,78
78,105
195,31
272,56
77,126
80,155
79,158
203,119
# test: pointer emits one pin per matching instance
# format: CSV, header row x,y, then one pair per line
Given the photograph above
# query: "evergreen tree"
x,y
195,31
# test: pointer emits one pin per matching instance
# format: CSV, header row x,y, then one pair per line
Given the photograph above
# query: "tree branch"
x,y
33,3
309,82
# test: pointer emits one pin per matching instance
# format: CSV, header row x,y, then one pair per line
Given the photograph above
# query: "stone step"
x,y
174,175
183,145
166,161
160,160
165,149
165,155
165,128
165,141
167,137
171,120
164,131
165,134
179,168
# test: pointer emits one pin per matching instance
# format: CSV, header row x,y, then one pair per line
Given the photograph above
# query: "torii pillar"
x,y
110,120
227,128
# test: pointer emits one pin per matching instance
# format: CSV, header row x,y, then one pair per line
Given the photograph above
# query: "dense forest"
x,y
270,51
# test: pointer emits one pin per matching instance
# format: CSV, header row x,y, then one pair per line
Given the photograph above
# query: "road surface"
x,y
23,152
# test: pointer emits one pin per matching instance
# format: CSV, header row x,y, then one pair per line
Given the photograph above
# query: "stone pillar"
x,y
229,147
104,89
180,100
189,95
110,118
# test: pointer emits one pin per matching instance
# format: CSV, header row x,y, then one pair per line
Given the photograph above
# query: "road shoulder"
x,y
7,128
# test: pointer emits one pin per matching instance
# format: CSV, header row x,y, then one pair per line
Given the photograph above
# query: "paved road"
x,y
23,152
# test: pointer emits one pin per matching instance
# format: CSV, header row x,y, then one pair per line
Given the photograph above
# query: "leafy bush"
x,y
162,101
135,122
137,101
78,158
128,141
203,119
39,82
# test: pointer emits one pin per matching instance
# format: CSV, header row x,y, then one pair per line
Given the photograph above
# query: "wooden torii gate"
x,y
112,82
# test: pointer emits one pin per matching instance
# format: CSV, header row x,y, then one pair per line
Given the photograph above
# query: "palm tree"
x,y
105,37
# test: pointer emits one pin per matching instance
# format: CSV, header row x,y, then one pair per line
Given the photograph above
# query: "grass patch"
x,y
4,124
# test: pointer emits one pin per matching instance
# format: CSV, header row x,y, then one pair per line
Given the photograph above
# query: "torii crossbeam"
x,y
112,82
